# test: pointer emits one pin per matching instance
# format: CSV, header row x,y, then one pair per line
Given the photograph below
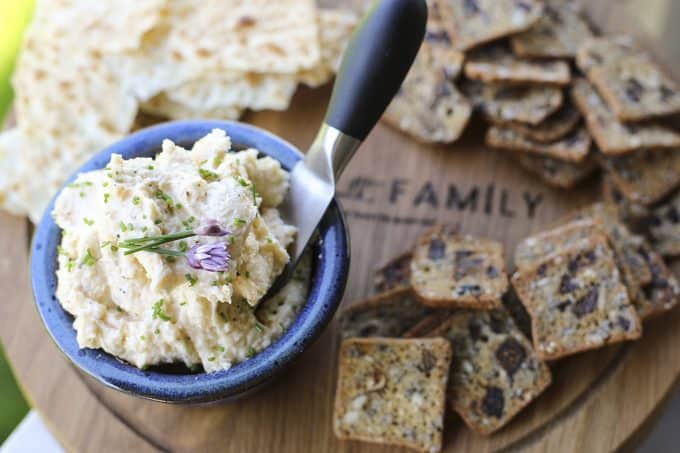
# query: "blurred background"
x,y
14,17
657,18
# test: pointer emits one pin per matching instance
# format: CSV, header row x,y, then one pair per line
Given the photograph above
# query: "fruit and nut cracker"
x,y
496,372
472,22
553,128
663,225
572,148
392,391
577,301
633,86
644,176
496,63
611,135
502,103
385,315
451,270
558,173
635,272
395,275
428,106
559,33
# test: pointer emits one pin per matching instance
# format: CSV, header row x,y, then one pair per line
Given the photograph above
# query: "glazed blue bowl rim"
x,y
329,277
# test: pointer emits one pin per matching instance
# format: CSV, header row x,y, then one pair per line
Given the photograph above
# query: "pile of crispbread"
x,y
561,100
88,68
579,285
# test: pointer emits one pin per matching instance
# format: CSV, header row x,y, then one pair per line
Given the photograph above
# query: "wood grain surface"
x,y
391,191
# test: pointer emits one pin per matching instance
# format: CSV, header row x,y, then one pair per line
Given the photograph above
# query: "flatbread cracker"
x,y
550,129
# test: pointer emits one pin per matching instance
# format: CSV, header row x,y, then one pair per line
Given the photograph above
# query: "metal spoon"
x,y
377,59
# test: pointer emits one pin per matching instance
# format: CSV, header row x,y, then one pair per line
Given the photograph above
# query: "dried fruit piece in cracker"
x,y
450,270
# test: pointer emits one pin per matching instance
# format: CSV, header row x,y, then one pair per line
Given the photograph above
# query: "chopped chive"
x,y
259,327
251,352
88,222
165,197
220,348
107,196
191,279
70,265
183,247
239,221
88,259
208,175
136,200
211,359
123,227
159,312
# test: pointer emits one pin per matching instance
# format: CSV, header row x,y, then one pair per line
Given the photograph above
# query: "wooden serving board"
x,y
391,191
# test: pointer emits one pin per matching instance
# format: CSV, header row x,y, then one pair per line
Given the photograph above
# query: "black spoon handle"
x,y
377,59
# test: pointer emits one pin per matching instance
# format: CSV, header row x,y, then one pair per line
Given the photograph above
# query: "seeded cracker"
x,y
473,22
385,315
634,87
644,176
395,275
577,301
572,148
428,106
496,373
392,391
553,128
558,33
612,136
496,63
559,173
450,270
529,104
664,226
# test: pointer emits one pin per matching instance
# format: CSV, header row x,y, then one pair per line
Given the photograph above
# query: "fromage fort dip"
x,y
177,302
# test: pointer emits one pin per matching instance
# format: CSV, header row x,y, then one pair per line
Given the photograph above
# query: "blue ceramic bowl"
x,y
329,275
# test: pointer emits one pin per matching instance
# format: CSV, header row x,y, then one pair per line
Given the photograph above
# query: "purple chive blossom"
x,y
213,257
211,227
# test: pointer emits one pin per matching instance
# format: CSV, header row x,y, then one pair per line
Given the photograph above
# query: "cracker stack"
x,y
582,284
87,69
